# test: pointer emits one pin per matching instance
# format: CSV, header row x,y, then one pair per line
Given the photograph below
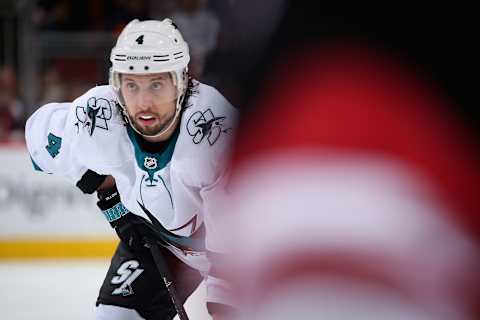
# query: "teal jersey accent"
x,y
54,145
35,165
115,213
152,162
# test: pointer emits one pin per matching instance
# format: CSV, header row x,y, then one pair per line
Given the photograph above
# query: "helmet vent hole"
x,y
146,68
176,40
131,68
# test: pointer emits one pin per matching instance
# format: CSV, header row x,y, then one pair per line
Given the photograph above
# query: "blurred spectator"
x,y
121,12
54,87
163,9
200,28
60,82
240,43
11,108
61,15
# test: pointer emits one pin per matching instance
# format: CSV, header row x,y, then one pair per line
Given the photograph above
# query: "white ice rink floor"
x,y
54,290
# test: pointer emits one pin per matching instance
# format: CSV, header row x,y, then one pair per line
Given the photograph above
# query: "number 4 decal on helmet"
x,y
139,40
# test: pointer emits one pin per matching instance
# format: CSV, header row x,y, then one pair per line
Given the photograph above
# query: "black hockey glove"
x,y
132,230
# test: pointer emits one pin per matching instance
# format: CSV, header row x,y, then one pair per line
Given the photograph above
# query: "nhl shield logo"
x,y
150,163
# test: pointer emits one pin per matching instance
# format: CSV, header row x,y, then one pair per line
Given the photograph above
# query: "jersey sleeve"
x,y
65,138
48,134
216,142
219,291
210,127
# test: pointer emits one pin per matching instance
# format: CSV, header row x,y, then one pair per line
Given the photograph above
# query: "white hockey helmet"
x,y
148,47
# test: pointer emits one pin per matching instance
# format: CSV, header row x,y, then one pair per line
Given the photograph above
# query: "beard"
x,y
151,130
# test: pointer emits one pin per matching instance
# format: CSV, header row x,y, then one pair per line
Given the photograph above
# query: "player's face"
x,y
150,101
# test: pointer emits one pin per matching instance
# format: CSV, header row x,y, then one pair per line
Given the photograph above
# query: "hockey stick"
x,y
167,278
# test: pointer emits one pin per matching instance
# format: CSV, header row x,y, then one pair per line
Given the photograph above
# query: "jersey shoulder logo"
x,y
54,145
95,114
206,126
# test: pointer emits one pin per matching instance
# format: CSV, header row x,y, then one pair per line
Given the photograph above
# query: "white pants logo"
x,y
126,274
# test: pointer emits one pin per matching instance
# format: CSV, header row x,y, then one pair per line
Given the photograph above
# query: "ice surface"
x,y
57,290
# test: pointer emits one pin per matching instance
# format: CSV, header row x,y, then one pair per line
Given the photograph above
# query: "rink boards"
x,y
44,216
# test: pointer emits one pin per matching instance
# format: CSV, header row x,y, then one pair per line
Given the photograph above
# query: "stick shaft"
x,y
167,279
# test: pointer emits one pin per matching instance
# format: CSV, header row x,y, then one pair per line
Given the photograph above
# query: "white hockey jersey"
x,y
175,185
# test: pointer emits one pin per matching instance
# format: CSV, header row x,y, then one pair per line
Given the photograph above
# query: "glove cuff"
x,y
110,205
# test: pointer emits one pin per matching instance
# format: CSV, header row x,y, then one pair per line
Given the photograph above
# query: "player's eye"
x,y
157,85
131,86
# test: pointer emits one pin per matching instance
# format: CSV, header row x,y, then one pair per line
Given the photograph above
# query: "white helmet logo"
x,y
139,57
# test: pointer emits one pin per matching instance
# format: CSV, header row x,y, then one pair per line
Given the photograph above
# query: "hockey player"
x,y
152,144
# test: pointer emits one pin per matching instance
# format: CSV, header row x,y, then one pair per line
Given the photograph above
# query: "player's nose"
x,y
145,100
